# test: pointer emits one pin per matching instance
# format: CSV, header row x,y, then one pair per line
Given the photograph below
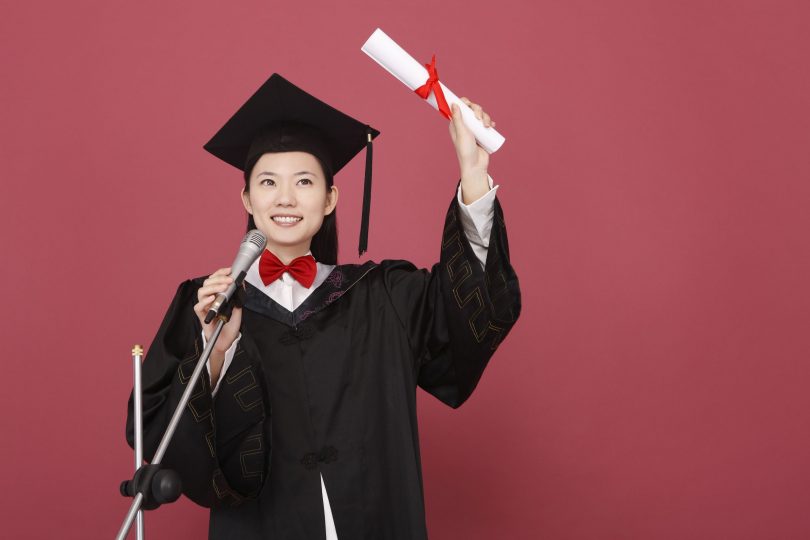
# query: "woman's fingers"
x,y
217,279
220,276
475,107
479,112
202,305
211,290
215,285
457,127
456,117
217,282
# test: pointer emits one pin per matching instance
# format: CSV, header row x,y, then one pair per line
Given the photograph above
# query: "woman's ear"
x,y
331,200
246,201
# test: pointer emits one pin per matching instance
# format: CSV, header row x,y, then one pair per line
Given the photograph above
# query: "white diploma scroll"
x,y
393,58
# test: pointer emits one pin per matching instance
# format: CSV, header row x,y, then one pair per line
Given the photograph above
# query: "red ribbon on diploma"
x,y
432,85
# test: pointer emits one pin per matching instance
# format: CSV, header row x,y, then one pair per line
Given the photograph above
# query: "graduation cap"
x,y
280,117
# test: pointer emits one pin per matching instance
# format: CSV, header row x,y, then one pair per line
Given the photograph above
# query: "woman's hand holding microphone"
x,y
218,282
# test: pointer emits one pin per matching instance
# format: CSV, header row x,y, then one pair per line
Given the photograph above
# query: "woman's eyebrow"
x,y
294,174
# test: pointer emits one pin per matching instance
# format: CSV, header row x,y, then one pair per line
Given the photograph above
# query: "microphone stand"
x,y
137,358
162,485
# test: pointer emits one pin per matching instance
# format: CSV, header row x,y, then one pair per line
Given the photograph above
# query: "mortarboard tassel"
x,y
366,194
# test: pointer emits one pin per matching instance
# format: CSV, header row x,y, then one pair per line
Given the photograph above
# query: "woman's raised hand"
x,y
472,159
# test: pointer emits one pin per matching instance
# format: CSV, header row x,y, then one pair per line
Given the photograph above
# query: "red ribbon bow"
x,y
433,85
303,269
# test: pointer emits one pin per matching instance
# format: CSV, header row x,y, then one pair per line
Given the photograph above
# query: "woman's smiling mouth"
x,y
286,220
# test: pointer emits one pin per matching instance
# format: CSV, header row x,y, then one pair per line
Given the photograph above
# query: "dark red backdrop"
x,y
655,181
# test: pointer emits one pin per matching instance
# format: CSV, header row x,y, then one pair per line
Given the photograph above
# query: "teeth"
x,y
286,219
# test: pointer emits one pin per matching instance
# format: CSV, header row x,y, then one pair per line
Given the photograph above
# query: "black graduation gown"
x,y
329,389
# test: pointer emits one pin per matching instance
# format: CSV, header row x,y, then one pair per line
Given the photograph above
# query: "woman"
x,y
306,425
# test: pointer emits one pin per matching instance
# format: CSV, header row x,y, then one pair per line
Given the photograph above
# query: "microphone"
x,y
252,246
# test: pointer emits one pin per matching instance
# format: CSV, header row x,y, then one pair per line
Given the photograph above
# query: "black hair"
x,y
324,245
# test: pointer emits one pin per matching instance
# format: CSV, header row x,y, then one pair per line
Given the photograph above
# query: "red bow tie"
x,y
303,269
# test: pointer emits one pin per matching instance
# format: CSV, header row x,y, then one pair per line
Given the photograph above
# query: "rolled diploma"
x,y
393,58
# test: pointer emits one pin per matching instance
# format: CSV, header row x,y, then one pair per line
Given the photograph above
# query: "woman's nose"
x,y
286,196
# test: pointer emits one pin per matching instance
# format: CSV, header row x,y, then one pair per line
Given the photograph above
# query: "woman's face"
x,y
288,200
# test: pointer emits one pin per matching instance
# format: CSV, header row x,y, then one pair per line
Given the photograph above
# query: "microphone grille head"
x,y
257,238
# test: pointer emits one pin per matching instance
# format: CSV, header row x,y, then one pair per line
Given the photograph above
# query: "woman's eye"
x,y
267,182
305,181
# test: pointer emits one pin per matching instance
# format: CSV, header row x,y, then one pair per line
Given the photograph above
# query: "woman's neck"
x,y
287,255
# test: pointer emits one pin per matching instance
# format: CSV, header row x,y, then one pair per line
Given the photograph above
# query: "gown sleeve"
x,y
219,448
457,314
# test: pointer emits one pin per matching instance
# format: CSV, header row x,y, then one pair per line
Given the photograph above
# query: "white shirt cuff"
x,y
228,359
476,220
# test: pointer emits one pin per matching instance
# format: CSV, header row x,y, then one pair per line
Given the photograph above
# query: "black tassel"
x,y
366,195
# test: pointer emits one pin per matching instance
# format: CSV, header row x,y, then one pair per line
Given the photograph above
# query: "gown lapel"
x,y
340,280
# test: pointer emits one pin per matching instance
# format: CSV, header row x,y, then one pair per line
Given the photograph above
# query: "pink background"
x,y
655,183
